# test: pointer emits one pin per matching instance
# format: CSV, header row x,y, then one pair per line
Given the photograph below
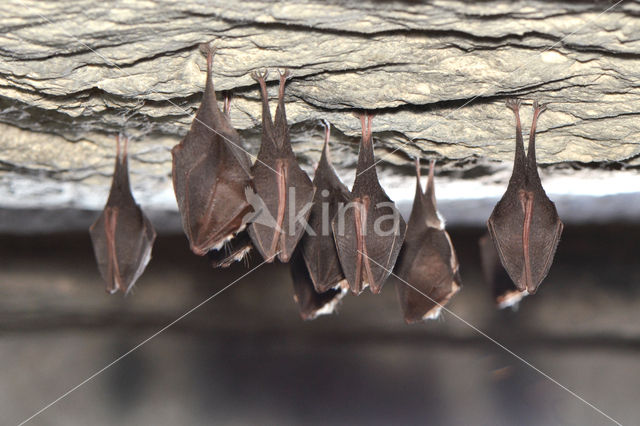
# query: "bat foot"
x,y
285,74
210,51
539,108
513,104
207,49
260,76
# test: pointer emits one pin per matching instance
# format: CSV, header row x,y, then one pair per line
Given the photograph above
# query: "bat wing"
x,y
311,303
546,229
525,245
287,194
122,240
505,227
210,193
348,234
299,196
383,243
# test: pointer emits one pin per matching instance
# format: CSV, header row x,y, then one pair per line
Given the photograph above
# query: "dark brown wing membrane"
x,y
122,236
210,174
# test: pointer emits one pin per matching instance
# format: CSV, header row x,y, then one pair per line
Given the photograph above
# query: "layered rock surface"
x,y
75,73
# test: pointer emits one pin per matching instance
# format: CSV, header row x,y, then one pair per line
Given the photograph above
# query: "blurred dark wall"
x,y
246,357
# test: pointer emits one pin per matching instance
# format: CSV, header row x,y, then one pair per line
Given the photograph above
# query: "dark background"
x,y
247,357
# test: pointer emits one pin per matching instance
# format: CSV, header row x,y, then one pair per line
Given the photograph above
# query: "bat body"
x,y
427,261
312,304
210,174
122,236
505,293
369,230
524,225
284,189
318,246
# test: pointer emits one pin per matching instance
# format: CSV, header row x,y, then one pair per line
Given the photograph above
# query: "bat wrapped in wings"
x,y
524,225
427,268
368,230
317,245
282,188
210,174
122,236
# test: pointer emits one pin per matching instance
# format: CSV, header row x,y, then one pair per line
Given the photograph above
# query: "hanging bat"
x,y
369,230
504,291
122,236
427,260
234,250
317,246
311,303
281,185
524,225
210,174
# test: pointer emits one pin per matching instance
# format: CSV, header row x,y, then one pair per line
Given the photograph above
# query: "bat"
x,y
312,304
504,290
283,188
524,225
234,250
427,261
368,231
210,174
122,236
317,246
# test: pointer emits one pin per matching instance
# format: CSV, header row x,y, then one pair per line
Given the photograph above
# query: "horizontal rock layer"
x,y
75,73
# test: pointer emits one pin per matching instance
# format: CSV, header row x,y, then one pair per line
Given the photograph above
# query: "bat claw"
x,y
208,49
284,74
325,123
513,103
260,76
327,129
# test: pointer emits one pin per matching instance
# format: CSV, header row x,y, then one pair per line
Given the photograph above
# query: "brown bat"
x,y
122,236
427,262
317,246
311,303
504,291
369,230
210,174
524,225
283,188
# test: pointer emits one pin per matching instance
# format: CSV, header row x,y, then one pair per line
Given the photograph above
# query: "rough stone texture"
x,y
74,73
